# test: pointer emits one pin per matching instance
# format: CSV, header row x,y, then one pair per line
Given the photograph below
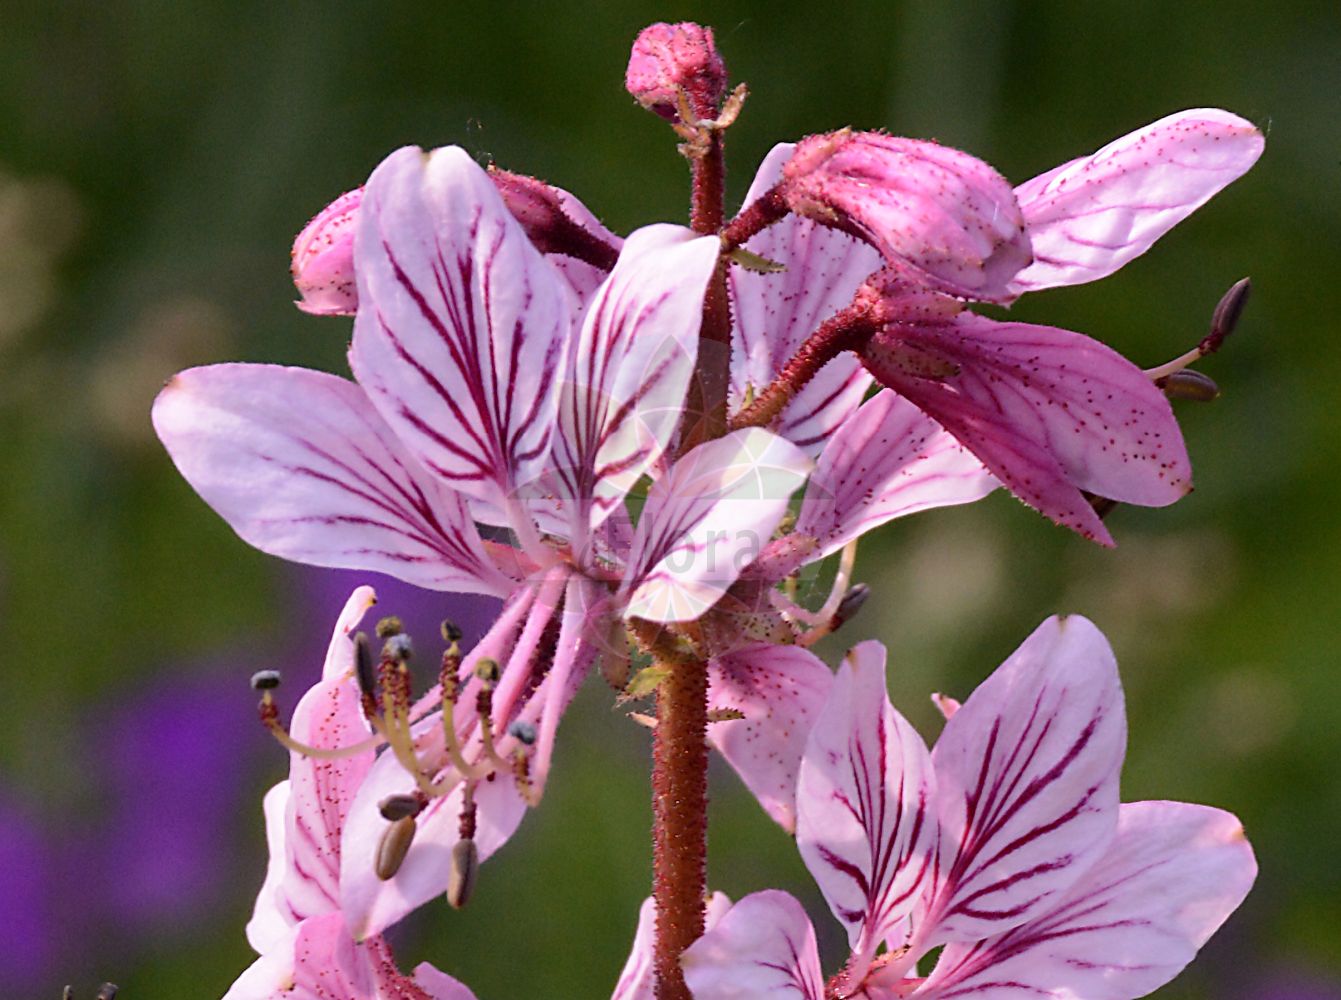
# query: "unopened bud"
x,y
1188,384
395,807
947,214
451,632
668,59
323,259
461,878
265,680
486,670
393,847
364,668
522,731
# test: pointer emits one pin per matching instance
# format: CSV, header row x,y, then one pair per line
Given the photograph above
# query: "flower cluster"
x,y
540,412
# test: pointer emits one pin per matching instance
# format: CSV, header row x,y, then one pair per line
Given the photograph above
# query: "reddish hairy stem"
x,y
761,213
680,819
847,330
706,405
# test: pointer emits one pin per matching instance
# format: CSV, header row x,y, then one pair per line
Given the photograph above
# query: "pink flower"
x,y
1049,412
1006,845
306,948
497,386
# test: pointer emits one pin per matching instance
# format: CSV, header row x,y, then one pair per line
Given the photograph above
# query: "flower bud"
x,y
323,259
670,58
554,221
947,216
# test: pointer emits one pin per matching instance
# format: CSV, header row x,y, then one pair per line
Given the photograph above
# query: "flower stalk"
x,y
680,819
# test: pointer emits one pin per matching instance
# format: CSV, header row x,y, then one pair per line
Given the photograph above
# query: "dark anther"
x,y
451,632
1188,384
389,626
393,847
265,680
395,807
522,731
1226,315
487,670
850,604
363,664
1101,505
461,878
107,991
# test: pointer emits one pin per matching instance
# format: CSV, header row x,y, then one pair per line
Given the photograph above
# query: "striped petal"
x,y
779,690
706,520
637,981
1171,877
1027,770
1089,217
321,792
889,460
762,949
866,824
1047,411
776,313
630,369
303,467
462,329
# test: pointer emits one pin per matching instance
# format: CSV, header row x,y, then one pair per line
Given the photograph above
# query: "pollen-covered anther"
x,y
393,847
451,632
487,671
389,626
523,732
265,681
461,877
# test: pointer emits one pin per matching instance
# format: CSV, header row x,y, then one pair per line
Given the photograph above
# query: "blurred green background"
x,y
156,160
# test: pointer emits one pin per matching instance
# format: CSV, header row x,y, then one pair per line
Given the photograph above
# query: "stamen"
x,y
366,674
393,847
487,672
266,681
1224,320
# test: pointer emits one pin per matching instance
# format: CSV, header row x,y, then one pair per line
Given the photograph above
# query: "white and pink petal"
x,y
866,808
1089,217
1173,874
1049,412
302,466
463,328
763,948
775,314
707,519
630,369
1027,771
637,980
889,460
779,691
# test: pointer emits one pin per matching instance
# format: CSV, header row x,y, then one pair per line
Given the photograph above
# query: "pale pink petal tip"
x,y
1089,217
323,259
670,58
944,213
